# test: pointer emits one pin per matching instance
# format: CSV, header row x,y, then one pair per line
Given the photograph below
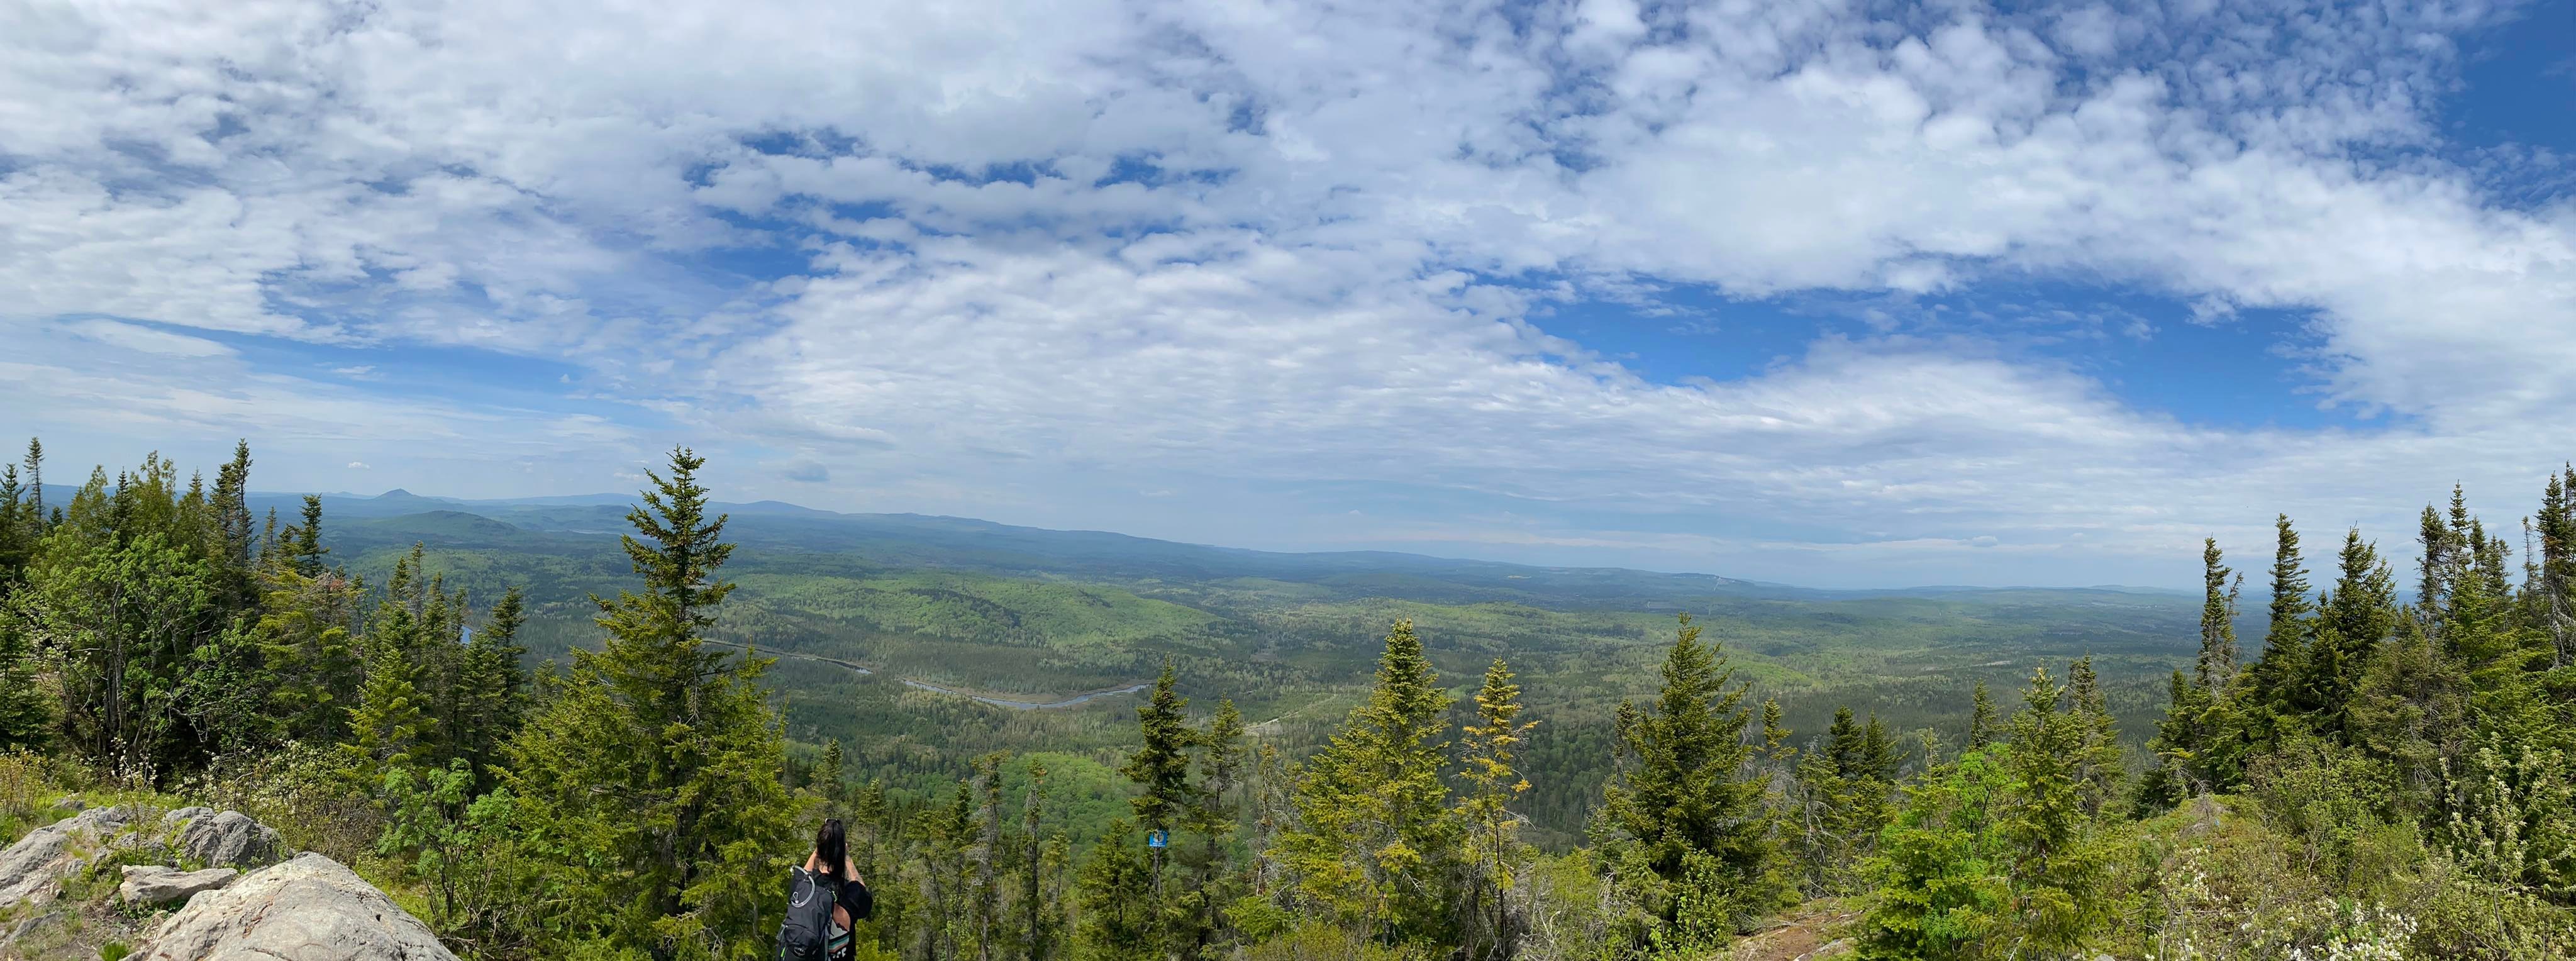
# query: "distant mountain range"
x,y
919,540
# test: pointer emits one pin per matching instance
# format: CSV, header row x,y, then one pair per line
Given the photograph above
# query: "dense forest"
x,y
2383,778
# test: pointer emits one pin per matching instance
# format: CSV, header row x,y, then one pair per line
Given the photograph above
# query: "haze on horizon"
x,y
1783,292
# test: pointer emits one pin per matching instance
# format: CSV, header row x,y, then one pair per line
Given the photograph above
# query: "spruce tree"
x,y
307,548
663,754
2285,633
493,683
1221,757
1493,781
2217,662
387,726
1374,840
2098,766
1160,766
1691,808
2050,871
1113,924
1981,720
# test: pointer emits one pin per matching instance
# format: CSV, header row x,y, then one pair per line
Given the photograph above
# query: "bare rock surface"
x,y
156,884
307,909
227,840
32,870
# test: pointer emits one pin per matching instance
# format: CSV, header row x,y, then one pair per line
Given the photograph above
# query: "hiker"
x,y
823,899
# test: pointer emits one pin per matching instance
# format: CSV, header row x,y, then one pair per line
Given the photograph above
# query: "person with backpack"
x,y
824,898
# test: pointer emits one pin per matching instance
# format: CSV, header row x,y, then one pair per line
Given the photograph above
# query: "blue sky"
x,y
1832,293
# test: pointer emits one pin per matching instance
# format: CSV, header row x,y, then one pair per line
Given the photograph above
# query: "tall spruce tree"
x,y
1374,841
1981,719
2216,665
1221,757
1690,809
2051,872
1160,767
663,759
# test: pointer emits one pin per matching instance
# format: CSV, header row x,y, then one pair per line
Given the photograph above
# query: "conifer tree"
x,y
493,683
2098,765
2050,872
2353,619
387,726
1113,924
2217,663
1160,766
2285,633
306,548
1037,915
1221,756
665,752
1692,801
1493,781
1981,720
1374,840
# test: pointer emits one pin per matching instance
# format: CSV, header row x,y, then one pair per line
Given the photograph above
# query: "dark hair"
x,y
831,846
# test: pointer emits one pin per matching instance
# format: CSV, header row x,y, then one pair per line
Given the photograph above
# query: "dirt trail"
x,y
1813,931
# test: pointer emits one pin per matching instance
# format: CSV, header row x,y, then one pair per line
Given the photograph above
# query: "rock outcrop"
x,y
226,840
149,885
307,909
32,870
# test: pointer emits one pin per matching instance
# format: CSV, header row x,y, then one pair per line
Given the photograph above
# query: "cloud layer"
x,y
1130,264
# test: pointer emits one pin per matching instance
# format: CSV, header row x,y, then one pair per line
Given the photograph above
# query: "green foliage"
x,y
650,774
1374,841
1690,808
1492,846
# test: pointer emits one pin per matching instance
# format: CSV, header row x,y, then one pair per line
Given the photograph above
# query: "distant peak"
x,y
397,492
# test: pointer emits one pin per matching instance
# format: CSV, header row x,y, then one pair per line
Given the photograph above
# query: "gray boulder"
x,y
307,909
32,870
153,884
228,840
182,816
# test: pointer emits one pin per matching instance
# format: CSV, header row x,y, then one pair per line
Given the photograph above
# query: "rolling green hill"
x,y
1022,614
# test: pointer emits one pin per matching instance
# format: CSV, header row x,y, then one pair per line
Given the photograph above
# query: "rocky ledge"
x,y
239,902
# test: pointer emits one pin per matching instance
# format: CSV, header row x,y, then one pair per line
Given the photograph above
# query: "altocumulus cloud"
x,y
1001,248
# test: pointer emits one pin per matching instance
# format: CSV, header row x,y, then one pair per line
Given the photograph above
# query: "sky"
x,y
1827,293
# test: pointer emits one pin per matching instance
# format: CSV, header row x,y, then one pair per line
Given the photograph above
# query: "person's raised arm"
x,y
812,863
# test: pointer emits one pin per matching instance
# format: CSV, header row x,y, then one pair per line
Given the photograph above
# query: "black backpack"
x,y
804,935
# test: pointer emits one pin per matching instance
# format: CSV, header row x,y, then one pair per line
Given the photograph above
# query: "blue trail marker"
x,y
1156,839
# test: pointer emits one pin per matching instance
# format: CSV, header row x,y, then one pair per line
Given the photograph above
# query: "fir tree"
x,y
1493,781
1221,757
387,726
1691,799
1160,766
2050,873
2285,633
2217,662
1981,720
664,754
307,549
2098,765
494,683
1113,924
1374,839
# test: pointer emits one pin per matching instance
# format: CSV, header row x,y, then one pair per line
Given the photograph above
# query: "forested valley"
x,y
619,753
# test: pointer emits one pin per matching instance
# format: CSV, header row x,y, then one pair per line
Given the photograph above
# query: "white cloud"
x,y
1300,289
358,465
